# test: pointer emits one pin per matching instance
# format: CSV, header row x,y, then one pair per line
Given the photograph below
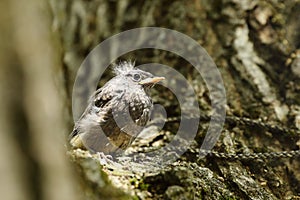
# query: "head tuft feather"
x,y
123,67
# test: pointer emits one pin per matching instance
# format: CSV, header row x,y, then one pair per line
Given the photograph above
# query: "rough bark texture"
x,y
256,47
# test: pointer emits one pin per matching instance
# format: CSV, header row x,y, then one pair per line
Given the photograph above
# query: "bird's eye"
x,y
136,77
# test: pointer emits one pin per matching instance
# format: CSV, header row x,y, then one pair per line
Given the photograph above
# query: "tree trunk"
x,y
255,45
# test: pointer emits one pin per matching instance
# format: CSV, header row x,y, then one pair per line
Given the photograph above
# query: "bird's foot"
x,y
107,160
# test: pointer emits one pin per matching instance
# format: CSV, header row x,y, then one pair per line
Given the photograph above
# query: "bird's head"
x,y
136,76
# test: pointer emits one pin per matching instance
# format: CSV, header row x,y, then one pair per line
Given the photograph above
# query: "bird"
x,y
117,112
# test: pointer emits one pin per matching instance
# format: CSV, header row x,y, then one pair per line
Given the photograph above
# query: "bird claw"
x,y
105,159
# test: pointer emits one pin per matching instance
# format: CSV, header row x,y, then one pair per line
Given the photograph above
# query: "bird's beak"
x,y
151,81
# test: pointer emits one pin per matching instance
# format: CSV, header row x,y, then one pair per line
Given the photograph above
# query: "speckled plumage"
x,y
116,112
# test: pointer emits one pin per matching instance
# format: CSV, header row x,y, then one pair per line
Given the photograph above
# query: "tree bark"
x,y
33,115
255,45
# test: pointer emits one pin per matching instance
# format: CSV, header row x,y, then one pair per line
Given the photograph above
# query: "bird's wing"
x,y
98,101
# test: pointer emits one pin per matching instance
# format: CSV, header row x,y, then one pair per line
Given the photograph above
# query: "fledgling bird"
x,y
117,112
